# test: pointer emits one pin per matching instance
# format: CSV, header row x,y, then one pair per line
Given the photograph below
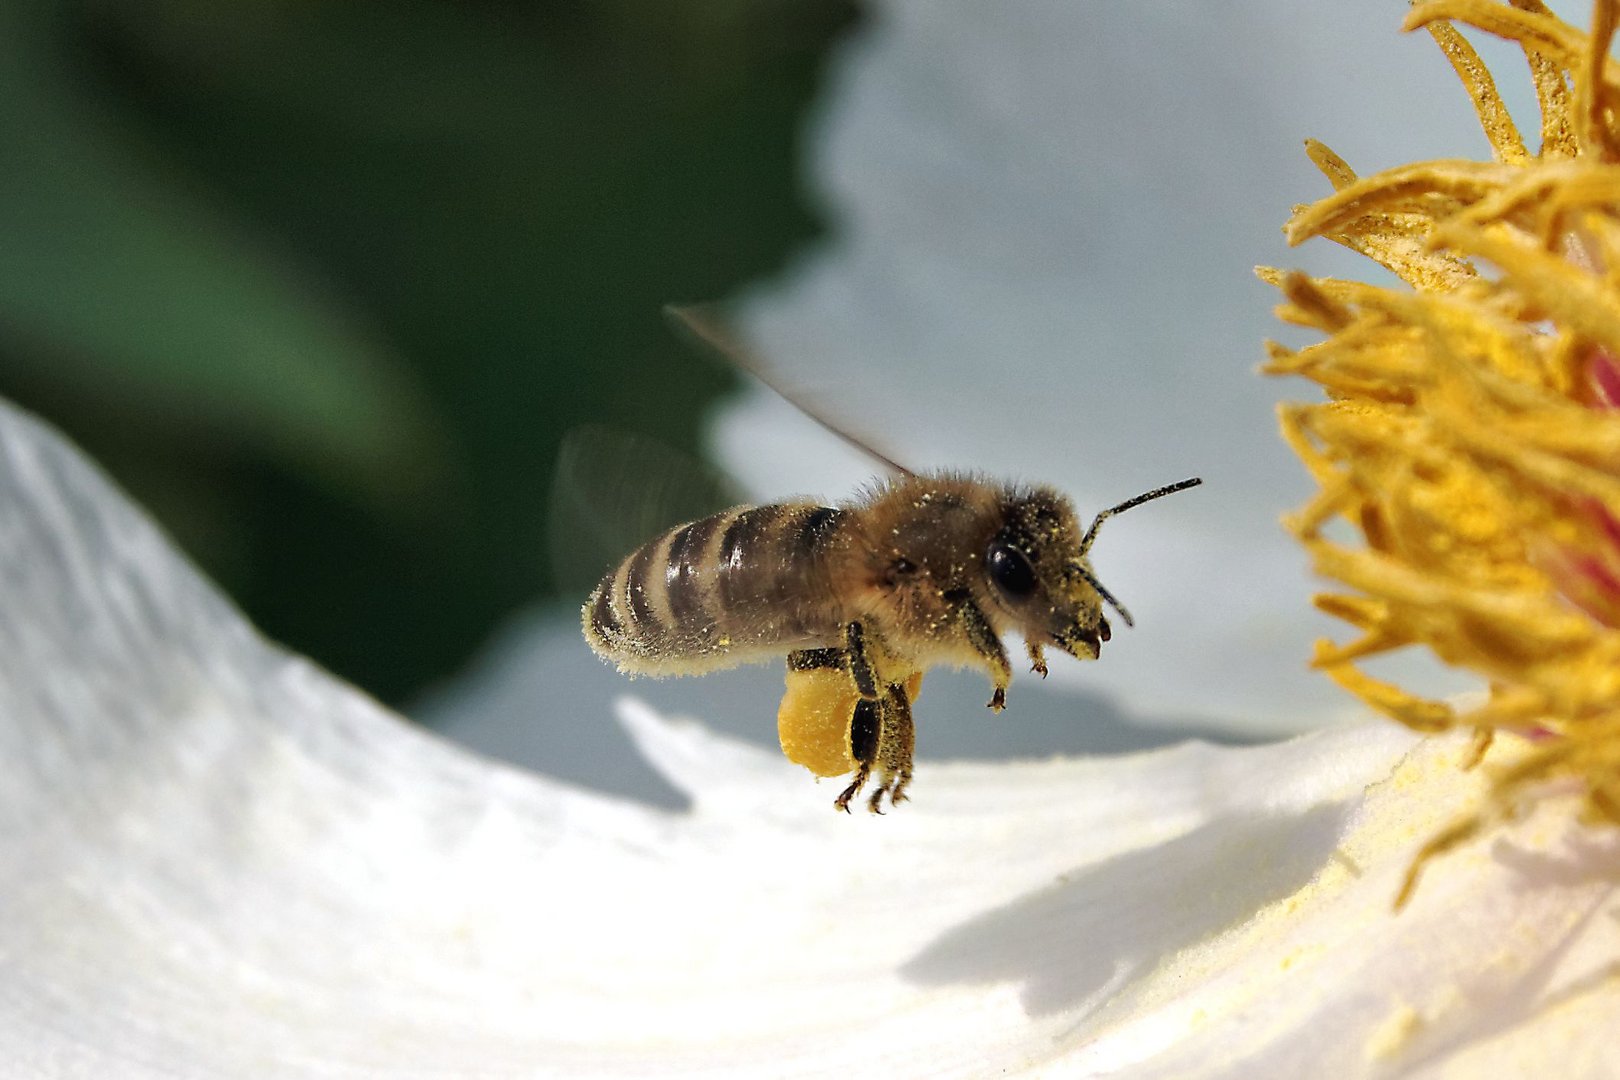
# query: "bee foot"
x,y
854,789
875,803
998,700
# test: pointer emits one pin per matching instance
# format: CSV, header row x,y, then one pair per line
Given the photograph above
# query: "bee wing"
x,y
702,325
613,491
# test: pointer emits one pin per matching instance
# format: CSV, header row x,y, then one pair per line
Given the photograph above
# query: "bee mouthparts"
x,y
1091,639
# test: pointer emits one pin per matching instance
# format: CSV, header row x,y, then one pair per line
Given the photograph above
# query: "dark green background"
x,y
323,285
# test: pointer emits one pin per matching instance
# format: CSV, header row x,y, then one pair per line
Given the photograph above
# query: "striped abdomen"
x,y
740,585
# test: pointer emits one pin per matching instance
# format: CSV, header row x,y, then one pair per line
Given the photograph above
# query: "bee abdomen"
x,y
652,595
702,594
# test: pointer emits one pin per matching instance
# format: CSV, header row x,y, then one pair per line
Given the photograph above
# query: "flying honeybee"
x,y
863,597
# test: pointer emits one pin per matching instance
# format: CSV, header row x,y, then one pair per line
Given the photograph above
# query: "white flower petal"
x,y
218,860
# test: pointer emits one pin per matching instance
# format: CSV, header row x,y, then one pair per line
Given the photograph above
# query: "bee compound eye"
x,y
1010,570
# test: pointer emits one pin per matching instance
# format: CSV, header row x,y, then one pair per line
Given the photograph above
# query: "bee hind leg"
x,y
881,735
861,774
896,741
864,730
816,659
860,663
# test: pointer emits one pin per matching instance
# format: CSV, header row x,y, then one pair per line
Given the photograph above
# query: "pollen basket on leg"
x,y
813,720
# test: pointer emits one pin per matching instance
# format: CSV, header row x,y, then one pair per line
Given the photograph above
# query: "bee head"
x,y
1040,575
1039,580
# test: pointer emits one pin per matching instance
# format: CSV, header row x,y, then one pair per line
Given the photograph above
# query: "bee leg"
x,y
813,659
896,740
864,734
860,664
979,633
1037,658
854,789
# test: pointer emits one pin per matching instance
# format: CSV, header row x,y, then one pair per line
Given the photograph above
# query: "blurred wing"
x,y
614,491
701,325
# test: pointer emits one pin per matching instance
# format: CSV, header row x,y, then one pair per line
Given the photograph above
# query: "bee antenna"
x,y
1091,533
1091,579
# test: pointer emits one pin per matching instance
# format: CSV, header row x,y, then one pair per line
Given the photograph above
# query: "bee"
x,y
925,569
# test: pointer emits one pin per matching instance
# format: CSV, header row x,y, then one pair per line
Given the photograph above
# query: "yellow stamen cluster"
x,y
1471,433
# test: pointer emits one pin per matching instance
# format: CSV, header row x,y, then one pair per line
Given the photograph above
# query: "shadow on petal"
x,y
1571,963
1505,997
1094,931
1583,859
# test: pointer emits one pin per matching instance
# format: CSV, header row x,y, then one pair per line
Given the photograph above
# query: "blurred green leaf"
x,y
121,275
489,200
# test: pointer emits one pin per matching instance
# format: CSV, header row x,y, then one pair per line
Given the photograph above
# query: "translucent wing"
x,y
702,325
613,491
